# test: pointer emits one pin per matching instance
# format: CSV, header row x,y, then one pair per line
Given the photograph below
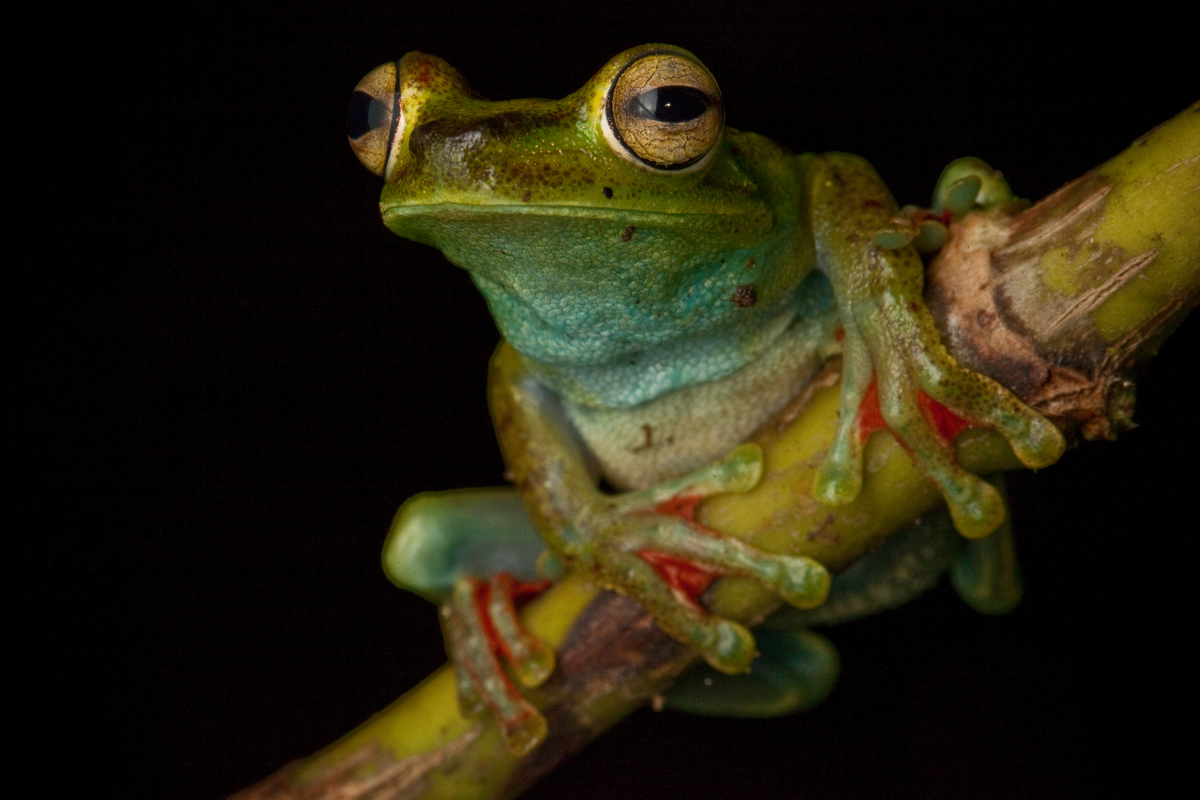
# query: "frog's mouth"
x,y
551,232
727,221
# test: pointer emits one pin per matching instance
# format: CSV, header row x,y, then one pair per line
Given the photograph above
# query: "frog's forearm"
x,y
897,373
546,461
421,747
620,541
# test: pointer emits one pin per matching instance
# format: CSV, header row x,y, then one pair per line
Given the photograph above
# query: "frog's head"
x,y
623,190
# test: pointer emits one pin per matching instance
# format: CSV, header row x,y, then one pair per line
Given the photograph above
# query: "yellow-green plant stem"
x,y
426,720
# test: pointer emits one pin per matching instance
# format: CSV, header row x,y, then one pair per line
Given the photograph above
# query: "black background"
x,y
236,375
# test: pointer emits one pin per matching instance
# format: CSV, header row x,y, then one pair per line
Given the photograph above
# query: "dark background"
x,y
235,375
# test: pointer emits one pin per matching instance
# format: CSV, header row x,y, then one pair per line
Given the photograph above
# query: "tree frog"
x,y
664,284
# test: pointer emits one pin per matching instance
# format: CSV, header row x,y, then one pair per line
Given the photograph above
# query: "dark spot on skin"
x,y
872,204
526,197
649,441
608,192
823,532
627,234
736,151
750,264
745,296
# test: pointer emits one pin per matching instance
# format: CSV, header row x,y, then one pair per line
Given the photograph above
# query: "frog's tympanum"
x,y
664,285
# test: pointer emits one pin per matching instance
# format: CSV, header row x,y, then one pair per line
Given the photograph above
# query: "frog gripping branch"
x,y
666,286
897,373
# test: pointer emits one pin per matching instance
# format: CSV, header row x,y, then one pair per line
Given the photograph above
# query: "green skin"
x,y
643,355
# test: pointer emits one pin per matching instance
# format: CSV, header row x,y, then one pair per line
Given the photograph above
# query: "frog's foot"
x,y
925,398
439,543
967,184
795,671
897,374
647,545
480,624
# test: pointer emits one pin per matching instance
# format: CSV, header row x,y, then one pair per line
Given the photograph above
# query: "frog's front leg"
x,y
474,552
897,373
644,544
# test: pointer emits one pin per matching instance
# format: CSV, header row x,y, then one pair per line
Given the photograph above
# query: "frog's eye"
x,y
664,112
375,118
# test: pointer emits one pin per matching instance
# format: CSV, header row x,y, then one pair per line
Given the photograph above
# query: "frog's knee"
x,y
795,670
437,537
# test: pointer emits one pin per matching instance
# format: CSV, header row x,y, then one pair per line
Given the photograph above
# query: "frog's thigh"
x,y
794,671
796,667
438,537
910,563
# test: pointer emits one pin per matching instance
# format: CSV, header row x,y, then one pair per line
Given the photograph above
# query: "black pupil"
x,y
365,114
671,103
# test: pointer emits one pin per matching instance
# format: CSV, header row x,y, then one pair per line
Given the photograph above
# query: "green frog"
x,y
664,285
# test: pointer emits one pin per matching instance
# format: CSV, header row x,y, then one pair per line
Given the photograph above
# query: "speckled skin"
x,y
657,317
636,271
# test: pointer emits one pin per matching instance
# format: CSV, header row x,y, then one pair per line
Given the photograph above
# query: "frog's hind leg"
x,y
910,563
798,667
474,552
794,671
438,537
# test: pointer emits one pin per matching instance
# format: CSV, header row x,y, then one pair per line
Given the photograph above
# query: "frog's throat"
x,y
631,378
682,430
